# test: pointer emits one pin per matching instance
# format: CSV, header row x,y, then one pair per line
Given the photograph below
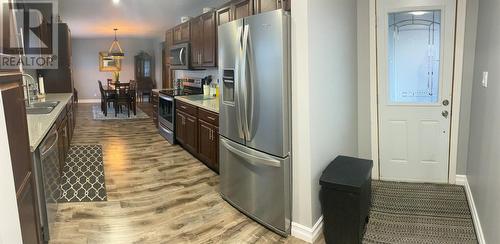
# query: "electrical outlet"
x,y
484,82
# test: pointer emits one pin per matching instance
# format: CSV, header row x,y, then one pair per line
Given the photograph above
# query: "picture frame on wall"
x,y
108,64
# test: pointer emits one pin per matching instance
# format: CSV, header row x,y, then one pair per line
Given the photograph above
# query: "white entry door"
x,y
415,45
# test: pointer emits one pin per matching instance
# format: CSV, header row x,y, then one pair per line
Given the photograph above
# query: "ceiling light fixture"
x,y
116,1
115,51
418,13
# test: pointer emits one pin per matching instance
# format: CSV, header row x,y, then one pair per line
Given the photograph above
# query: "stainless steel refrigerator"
x,y
255,117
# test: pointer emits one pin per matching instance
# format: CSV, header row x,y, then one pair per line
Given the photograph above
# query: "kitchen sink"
x,y
44,104
39,110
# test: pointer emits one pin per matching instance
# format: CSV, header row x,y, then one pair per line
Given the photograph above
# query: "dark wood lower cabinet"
x,y
191,141
197,130
17,135
180,127
186,131
26,204
155,101
208,149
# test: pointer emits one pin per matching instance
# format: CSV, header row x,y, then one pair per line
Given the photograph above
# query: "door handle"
x,y
446,102
252,159
180,56
445,113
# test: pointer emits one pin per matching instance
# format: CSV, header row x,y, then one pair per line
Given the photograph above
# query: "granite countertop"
x,y
209,103
40,124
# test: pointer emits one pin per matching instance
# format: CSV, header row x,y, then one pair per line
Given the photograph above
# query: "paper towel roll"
x,y
41,85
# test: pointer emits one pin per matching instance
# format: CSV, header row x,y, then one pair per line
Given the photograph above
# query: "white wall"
x,y
10,229
333,88
363,31
301,147
467,82
483,167
85,64
324,100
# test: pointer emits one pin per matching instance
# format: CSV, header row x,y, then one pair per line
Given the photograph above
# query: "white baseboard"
x,y
89,100
462,180
308,234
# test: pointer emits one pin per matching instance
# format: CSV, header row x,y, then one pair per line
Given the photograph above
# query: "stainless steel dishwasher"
x,y
47,175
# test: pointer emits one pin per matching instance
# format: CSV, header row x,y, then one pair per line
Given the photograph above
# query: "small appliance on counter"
x,y
166,105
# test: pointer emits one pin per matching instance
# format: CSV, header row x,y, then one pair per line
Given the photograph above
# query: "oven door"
x,y
166,117
179,56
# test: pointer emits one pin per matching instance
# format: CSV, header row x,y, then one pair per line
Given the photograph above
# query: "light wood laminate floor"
x,y
157,193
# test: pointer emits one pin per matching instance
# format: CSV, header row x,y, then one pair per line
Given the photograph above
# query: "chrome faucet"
x,y
30,82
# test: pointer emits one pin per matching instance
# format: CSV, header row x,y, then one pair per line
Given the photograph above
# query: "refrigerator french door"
x,y
255,115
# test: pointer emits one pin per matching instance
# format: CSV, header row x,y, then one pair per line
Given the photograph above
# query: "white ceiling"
x,y
133,18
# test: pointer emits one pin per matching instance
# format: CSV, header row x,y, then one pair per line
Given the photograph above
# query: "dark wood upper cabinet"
x,y
182,33
169,42
209,41
196,41
242,9
167,72
224,15
60,80
17,135
203,41
261,6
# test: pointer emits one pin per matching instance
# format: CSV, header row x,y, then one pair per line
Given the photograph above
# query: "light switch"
x,y
484,82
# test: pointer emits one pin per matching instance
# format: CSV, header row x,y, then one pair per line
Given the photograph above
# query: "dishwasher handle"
x,y
54,143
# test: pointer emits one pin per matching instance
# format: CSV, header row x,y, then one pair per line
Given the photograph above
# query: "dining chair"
x,y
133,95
106,99
123,98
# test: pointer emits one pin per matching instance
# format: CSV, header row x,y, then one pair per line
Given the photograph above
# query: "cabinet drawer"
x,y
187,108
208,116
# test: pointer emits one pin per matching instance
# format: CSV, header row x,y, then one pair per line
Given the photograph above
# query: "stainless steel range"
x,y
166,106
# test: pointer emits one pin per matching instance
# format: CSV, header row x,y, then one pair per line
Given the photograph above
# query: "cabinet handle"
x,y
211,118
210,135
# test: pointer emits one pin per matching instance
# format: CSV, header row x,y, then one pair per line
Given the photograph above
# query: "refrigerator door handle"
x,y
249,88
256,160
237,81
244,83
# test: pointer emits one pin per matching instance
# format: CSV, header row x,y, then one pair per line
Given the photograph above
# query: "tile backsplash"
x,y
197,73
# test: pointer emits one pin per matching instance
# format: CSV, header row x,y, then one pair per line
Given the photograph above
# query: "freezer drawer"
x,y
257,184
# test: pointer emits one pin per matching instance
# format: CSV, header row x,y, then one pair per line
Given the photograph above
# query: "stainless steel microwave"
x,y
179,56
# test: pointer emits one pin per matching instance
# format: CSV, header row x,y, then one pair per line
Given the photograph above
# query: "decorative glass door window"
x,y
414,53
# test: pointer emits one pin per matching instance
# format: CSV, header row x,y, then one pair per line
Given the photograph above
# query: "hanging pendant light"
x,y
115,51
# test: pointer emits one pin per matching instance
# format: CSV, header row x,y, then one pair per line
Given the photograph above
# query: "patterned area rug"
x,y
83,175
419,213
99,115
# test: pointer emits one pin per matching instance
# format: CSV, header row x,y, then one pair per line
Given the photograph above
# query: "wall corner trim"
x,y
462,180
308,234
